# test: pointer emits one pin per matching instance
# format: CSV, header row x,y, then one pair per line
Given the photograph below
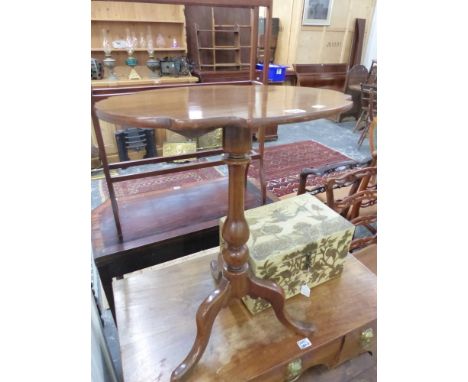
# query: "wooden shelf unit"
x,y
115,17
234,45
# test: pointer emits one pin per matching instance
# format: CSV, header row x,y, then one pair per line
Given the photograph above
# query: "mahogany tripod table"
x,y
238,109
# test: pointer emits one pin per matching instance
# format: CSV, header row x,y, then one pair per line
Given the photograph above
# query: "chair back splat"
x,y
355,205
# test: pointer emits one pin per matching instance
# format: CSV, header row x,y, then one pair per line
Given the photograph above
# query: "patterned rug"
x,y
160,182
284,163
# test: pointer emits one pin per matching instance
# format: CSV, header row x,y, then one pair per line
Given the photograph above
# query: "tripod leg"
x,y
206,315
275,296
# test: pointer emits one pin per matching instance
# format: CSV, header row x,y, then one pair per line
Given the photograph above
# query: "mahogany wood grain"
x,y
271,132
359,369
156,329
352,345
106,170
358,42
104,93
328,76
368,256
155,232
354,78
221,75
371,135
192,111
150,217
139,162
100,93
254,41
125,82
271,292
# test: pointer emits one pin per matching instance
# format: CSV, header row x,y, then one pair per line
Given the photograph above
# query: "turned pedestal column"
x,y
232,269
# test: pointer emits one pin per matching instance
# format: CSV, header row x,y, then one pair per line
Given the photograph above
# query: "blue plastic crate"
x,y
276,73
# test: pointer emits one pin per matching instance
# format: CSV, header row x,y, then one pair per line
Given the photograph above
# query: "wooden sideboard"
x,y
328,76
155,309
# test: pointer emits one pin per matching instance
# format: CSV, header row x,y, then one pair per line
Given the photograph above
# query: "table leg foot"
x,y
274,294
206,315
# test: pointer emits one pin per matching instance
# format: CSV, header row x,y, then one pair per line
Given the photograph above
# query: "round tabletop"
x,y
207,107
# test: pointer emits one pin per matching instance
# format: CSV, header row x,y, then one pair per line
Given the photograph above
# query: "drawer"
x,y
361,340
291,370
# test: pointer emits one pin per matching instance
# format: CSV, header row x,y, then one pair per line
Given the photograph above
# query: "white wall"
x,y
371,50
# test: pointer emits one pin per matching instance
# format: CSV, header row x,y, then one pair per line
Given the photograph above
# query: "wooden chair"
x,y
359,197
327,170
368,109
371,134
361,193
372,77
357,75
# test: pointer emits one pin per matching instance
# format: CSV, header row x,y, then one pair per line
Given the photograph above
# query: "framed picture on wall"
x,y
317,12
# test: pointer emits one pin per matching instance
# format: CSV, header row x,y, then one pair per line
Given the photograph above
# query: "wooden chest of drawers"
x,y
156,321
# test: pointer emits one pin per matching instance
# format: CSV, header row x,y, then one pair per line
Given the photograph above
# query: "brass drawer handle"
x,y
366,338
294,370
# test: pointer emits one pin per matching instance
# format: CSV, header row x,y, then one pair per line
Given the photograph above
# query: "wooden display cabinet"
x,y
115,17
222,38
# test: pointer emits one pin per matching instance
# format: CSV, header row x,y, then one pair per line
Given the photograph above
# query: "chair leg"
x,y
358,122
302,184
363,135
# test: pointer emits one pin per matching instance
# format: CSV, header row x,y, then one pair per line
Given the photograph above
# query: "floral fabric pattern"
x,y
294,242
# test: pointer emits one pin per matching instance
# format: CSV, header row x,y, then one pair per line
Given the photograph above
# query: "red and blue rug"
x,y
282,165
